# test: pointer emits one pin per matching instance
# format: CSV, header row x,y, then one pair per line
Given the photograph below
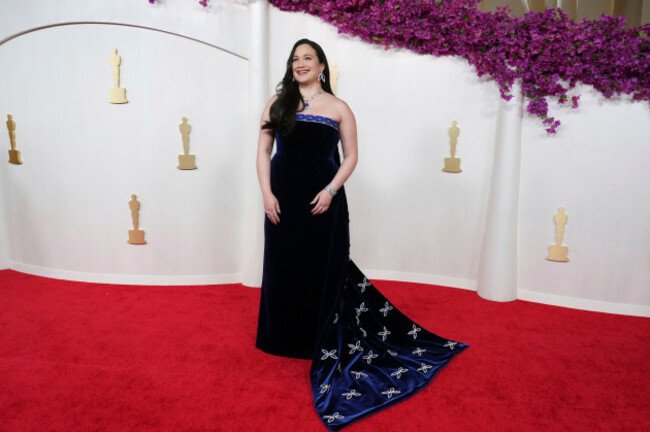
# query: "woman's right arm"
x,y
264,149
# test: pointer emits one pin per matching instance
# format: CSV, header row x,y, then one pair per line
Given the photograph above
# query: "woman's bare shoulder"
x,y
340,107
344,109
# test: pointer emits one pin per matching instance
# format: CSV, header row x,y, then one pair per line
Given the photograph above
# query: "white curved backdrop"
x,y
65,211
84,157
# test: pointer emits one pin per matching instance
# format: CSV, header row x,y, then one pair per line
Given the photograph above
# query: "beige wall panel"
x,y
631,10
516,6
593,9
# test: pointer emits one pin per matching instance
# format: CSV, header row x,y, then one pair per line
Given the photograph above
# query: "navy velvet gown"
x,y
316,304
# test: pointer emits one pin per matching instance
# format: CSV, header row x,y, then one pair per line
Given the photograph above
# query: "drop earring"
x,y
321,77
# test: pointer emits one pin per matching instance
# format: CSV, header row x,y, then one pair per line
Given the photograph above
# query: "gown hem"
x,y
394,402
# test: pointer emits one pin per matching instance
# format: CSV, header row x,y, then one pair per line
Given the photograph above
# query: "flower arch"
x,y
547,52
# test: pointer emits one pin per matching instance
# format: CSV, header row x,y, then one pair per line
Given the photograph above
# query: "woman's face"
x,y
306,66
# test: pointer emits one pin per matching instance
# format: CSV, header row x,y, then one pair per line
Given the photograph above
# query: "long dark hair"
x,y
283,111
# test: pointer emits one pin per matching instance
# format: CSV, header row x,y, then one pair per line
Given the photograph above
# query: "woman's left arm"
x,y
348,131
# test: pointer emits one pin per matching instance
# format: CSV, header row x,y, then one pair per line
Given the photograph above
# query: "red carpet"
x,y
91,357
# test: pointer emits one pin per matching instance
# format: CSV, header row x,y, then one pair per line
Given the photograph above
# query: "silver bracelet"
x,y
330,189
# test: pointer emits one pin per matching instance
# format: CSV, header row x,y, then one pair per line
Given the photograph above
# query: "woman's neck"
x,y
309,90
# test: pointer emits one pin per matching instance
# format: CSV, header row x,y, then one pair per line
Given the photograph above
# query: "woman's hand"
x,y
272,208
323,201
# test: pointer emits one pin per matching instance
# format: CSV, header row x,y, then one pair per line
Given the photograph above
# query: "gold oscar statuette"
x,y
136,236
452,164
117,94
334,77
558,252
186,160
14,155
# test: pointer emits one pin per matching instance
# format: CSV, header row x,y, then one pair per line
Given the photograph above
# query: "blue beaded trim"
x,y
318,119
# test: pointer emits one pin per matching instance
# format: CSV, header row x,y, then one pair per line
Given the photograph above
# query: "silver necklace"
x,y
307,106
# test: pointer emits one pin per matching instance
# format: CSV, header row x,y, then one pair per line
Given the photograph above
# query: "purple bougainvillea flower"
x,y
548,53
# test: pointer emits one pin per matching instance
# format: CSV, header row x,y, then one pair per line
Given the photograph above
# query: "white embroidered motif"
x,y
356,347
362,308
363,284
419,351
425,368
364,332
451,345
358,322
328,354
384,334
358,375
398,373
370,356
394,354
324,388
385,309
331,418
349,395
390,392
415,331
336,318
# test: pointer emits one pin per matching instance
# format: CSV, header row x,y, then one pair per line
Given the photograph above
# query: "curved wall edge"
x,y
126,279
72,23
219,24
584,304
532,296
423,278
170,280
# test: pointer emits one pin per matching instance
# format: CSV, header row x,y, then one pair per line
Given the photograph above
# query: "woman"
x,y
315,303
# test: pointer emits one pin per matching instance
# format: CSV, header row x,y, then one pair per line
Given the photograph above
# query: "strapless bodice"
x,y
306,160
314,139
